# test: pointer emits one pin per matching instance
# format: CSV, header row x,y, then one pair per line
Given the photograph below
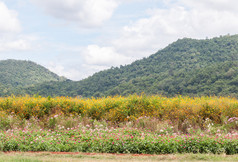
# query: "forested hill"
x,y
16,74
187,67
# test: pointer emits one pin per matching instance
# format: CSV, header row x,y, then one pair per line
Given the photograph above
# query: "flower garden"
x,y
133,124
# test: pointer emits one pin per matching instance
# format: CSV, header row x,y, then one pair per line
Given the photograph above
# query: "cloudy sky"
x,y
76,38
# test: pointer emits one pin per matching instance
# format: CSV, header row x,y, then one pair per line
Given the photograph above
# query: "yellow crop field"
x,y
119,109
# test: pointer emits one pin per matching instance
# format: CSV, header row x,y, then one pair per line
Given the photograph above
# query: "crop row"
x,y
119,109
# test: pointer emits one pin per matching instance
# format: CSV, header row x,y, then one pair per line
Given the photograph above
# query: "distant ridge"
x,y
17,74
187,67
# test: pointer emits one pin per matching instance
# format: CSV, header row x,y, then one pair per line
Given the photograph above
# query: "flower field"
x,y
119,109
133,124
112,140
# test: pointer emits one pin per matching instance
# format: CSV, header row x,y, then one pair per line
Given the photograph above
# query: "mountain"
x,y
187,67
16,74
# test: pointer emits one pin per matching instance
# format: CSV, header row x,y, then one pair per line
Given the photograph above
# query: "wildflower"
x,y
232,119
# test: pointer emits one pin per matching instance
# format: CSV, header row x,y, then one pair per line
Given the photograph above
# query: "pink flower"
x,y
232,119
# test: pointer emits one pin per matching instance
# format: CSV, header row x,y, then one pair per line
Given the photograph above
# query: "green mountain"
x,y
187,66
15,75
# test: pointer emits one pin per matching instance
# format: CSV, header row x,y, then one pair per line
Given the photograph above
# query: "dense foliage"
x,y
187,66
16,74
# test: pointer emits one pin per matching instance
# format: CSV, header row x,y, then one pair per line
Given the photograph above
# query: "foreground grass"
x,y
48,157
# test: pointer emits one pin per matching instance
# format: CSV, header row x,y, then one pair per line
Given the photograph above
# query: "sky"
x,y
76,38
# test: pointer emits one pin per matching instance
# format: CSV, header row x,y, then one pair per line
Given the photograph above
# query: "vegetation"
x,y
111,140
15,75
148,124
194,111
187,67
134,124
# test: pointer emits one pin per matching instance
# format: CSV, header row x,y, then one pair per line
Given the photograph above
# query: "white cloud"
x,y
75,72
88,13
104,56
18,42
60,70
10,31
8,20
89,70
86,61
185,18
220,5
148,35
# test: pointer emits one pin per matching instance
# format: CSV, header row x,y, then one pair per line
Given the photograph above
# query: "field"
x,y
132,125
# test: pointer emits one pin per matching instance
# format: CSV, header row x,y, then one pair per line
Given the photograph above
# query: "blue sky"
x,y
76,38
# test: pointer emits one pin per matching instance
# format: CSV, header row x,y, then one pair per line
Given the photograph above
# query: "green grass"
x,y
48,157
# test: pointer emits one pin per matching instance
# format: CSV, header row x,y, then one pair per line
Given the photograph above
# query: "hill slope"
x,y
187,67
15,74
